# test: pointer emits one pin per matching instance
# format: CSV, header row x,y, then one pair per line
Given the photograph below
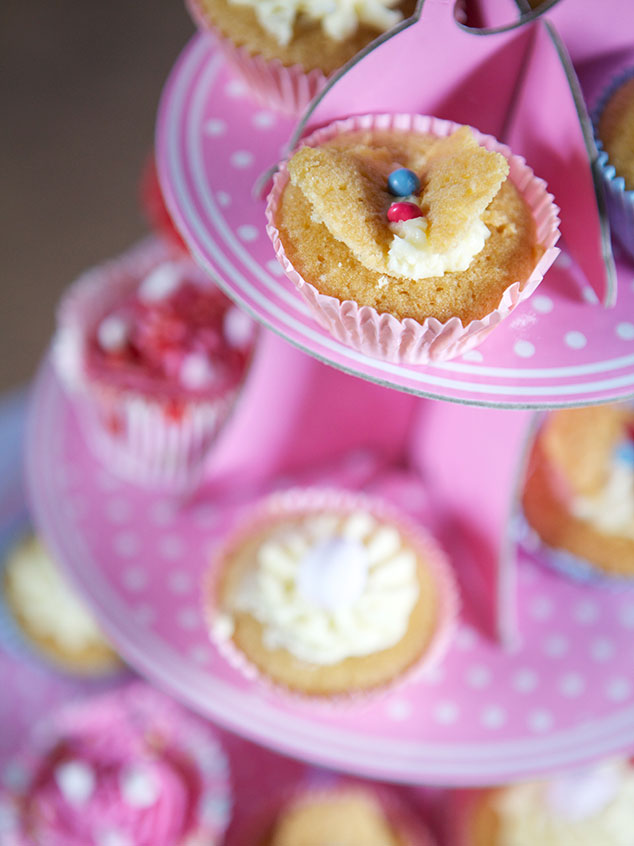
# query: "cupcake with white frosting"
x,y
587,807
50,615
153,355
286,49
579,492
129,768
329,594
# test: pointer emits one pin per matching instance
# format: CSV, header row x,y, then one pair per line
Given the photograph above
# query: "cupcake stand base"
x,y
36,689
562,696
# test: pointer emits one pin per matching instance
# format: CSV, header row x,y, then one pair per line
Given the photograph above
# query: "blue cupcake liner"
x,y
562,562
620,201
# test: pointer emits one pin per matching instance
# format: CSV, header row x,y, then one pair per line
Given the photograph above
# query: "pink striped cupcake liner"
x,y
409,341
286,89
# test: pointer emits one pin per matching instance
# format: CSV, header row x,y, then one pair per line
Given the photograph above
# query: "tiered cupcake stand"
x,y
540,674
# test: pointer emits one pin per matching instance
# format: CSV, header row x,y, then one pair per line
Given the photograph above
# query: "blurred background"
x,y
80,85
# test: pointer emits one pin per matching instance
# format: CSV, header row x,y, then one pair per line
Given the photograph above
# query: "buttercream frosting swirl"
x,y
332,586
587,808
46,601
339,19
611,509
411,255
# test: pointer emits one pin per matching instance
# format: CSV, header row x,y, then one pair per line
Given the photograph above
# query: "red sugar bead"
x,y
403,211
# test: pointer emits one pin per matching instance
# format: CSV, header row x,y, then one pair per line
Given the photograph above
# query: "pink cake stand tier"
x,y
558,348
563,696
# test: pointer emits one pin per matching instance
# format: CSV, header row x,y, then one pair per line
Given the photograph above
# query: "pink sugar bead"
x,y
403,211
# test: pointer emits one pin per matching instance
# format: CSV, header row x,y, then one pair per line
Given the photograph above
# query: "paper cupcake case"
x,y
408,341
136,435
300,501
459,809
154,714
620,201
286,89
410,828
565,563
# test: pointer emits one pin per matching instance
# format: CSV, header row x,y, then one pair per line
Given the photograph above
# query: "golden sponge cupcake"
x,y
50,615
329,594
614,130
409,237
579,491
584,808
286,50
347,814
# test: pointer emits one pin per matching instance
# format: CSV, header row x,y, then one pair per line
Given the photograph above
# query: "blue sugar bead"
x,y
403,182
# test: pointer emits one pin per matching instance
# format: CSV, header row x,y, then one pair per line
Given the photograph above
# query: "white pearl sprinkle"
x,y
161,282
138,787
112,334
76,781
196,372
238,327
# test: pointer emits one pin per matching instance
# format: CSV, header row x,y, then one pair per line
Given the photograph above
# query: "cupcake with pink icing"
x,y
125,769
154,354
587,807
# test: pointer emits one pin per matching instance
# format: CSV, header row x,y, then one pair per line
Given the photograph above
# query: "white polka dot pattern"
x,y
553,349
146,576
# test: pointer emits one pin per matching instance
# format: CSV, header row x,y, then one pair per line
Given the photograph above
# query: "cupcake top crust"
x,y
616,131
449,248
328,601
350,817
583,808
307,33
